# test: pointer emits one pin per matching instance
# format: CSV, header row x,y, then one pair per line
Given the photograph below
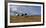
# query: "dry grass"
x,y
16,19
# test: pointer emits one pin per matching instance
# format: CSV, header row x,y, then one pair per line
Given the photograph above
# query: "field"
x,y
16,19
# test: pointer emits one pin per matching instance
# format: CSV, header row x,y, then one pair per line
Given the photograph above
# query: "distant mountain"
x,y
36,15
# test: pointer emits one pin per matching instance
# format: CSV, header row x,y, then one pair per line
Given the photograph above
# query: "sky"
x,y
30,10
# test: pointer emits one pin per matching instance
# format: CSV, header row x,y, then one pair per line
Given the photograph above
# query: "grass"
x,y
16,19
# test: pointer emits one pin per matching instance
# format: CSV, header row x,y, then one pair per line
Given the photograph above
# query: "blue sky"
x,y
30,10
